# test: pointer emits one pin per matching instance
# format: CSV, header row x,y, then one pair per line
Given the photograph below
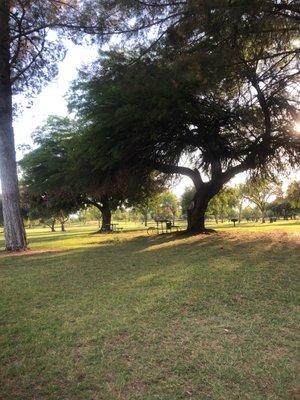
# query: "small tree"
x,y
259,191
93,214
60,166
169,205
49,208
248,213
222,204
293,194
187,199
146,206
239,198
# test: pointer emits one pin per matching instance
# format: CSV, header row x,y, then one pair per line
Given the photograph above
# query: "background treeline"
x,y
255,200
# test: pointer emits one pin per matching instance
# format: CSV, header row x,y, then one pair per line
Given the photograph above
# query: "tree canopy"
x,y
150,113
59,168
260,190
293,194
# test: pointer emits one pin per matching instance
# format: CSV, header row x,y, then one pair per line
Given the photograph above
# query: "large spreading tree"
x,y
155,113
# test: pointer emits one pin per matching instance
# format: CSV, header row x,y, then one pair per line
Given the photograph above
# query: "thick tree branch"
x,y
193,174
264,106
237,169
95,204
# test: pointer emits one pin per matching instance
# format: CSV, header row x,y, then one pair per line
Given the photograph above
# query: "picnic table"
x,y
114,227
162,226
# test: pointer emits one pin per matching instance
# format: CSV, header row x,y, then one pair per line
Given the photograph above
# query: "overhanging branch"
x,y
193,174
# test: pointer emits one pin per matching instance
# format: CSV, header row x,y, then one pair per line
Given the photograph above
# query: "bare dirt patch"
x,y
292,240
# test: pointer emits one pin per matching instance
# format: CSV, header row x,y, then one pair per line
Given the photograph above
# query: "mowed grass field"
x,y
130,316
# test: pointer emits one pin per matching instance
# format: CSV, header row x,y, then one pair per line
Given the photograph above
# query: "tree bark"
x,y
104,207
197,210
205,191
240,212
14,231
106,220
202,197
263,216
52,226
62,226
106,215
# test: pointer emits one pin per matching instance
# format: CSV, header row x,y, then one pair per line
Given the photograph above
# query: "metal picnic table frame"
x,y
113,227
160,228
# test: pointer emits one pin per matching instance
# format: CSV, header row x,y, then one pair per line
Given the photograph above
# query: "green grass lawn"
x,y
127,316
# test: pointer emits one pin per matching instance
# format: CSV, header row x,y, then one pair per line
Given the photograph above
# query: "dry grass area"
x,y
131,317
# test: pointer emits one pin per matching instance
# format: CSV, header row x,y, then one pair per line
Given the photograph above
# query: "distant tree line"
x,y
255,200
251,201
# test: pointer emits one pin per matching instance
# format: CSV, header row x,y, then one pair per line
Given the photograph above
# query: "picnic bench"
x,y
163,226
113,227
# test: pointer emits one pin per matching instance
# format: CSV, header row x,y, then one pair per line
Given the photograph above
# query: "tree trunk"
x,y
146,218
52,226
196,212
196,218
263,216
62,226
106,215
106,220
240,212
198,207
14,231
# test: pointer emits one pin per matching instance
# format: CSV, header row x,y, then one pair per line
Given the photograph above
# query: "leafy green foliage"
x,y
223,204
60,168
37,29
293,194
186,199
259,191
286,206
167,206
47,173
47,166
197,85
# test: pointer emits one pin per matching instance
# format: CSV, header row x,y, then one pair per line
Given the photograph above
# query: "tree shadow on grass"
x,y
170,247
271,226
